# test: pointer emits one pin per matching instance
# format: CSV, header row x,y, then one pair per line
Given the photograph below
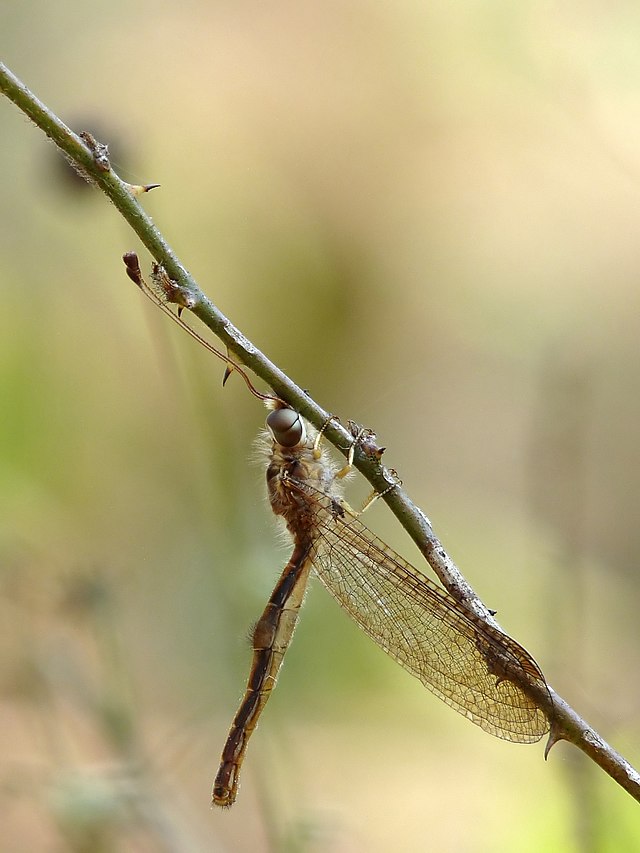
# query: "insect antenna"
x,y
162,291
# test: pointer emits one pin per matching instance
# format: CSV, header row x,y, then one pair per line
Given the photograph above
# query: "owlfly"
x,y
475,668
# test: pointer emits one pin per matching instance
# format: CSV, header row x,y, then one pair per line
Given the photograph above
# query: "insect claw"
x,y
316,443
397,479
366,439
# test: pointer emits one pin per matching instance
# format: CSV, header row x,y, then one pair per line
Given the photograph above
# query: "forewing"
x,y
463,661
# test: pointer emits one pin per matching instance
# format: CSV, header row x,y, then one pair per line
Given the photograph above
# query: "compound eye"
x,y
286,427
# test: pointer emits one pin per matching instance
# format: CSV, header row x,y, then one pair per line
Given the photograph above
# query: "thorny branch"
x,y
90,158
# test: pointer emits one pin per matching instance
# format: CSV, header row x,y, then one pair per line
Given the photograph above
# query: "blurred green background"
x,y
427,214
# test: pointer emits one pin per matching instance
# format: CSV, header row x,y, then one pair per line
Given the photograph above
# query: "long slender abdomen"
x,y
271,637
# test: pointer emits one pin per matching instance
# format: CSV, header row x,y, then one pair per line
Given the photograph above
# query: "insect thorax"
x,y
287,472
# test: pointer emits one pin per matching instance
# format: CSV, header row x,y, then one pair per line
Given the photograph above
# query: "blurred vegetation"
x,y
427,215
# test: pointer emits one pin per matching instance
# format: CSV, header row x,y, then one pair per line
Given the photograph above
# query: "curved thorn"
x,y
555,734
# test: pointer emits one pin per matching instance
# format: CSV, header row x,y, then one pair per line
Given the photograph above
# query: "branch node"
x,y
99,150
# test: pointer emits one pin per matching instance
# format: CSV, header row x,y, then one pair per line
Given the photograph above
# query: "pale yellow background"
x,y
426,213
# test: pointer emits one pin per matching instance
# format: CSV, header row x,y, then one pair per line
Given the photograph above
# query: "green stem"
x,y
566,724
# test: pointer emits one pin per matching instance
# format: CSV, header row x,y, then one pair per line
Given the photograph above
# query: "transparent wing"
x,y
455,654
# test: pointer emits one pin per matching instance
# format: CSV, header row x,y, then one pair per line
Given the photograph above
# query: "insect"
x,y
472,666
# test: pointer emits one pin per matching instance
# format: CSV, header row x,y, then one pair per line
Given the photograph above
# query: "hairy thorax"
x,y
289,470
